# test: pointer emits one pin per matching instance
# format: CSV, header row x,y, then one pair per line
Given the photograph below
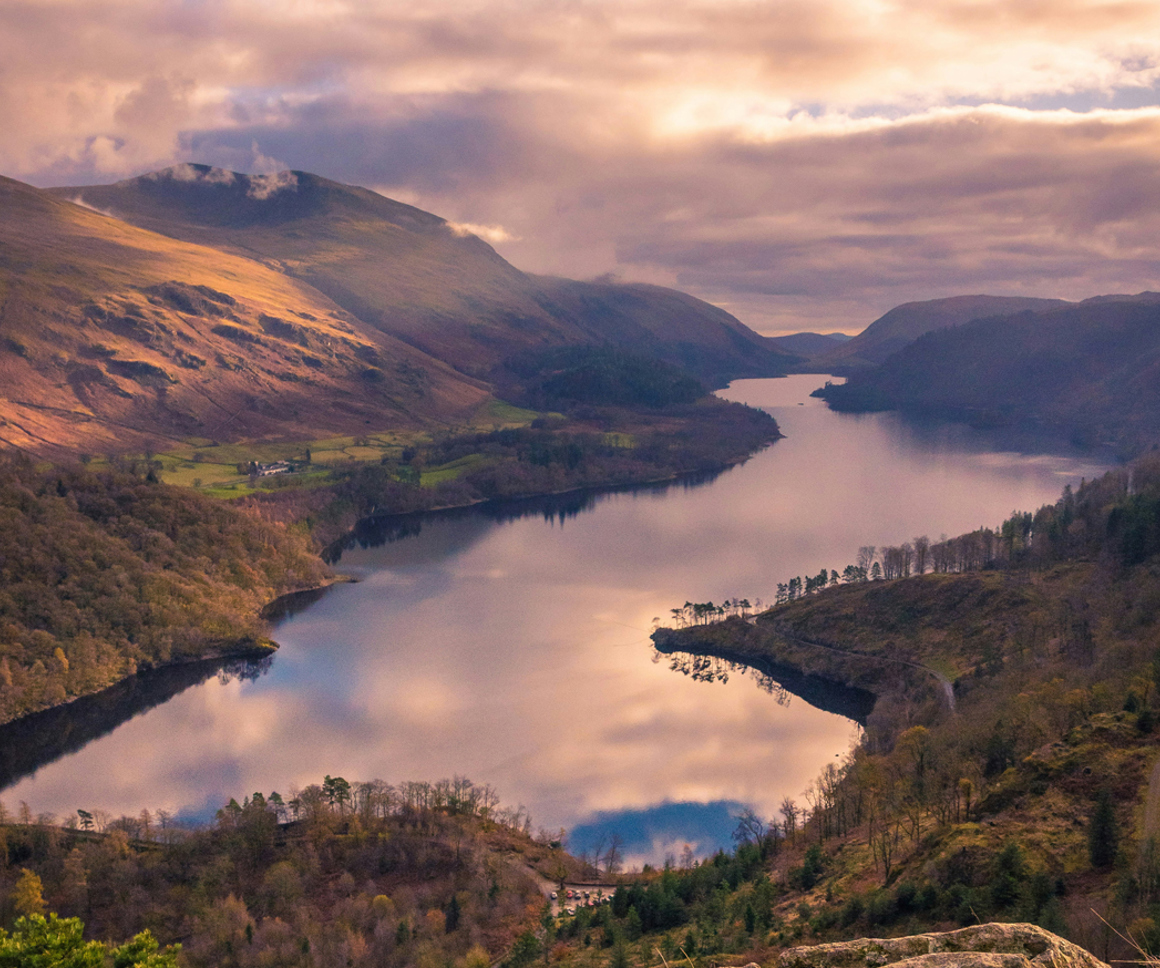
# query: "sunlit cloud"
x,y
807,164
491,233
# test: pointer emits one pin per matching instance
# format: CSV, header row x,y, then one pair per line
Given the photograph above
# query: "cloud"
x,y
262,187
801,163
491,233
191,173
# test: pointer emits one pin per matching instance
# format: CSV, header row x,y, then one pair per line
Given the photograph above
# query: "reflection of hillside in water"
x,y
779,681
375,532
37,740
930,433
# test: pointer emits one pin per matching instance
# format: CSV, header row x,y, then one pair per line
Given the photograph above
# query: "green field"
x,y
448,472
213,467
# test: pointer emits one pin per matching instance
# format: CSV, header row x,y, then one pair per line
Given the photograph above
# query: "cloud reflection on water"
x,y
517,653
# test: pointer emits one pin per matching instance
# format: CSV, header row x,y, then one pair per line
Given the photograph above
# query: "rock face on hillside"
x,y
981,946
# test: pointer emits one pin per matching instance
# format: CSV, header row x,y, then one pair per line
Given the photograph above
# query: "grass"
x,y
499,413
213,467
452,470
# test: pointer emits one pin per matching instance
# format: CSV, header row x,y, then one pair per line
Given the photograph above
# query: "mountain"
x,y
906,323
113,337
419,278
197,302
1090,370
810,344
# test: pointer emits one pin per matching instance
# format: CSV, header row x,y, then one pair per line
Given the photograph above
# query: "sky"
x,y
805,164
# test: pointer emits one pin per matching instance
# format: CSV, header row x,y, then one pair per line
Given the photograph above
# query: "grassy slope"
x,y
985,811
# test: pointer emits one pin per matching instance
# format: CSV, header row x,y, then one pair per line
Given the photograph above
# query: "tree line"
x,y
339,873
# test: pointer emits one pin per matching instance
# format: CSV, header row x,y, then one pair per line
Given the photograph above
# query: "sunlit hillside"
x,y
418,277
116,337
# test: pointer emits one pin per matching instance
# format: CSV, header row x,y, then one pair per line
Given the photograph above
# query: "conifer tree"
x,y
1102,831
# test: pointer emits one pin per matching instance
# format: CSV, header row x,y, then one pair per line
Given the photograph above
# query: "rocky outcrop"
x,y
981,946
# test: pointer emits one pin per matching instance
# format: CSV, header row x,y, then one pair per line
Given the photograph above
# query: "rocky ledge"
x,y
982,946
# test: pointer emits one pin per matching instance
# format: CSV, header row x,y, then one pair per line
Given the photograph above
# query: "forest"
x,y
339,873
563,377
105,574
1027,795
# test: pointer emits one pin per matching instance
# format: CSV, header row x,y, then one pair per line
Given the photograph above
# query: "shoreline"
x,y
337,545
283,605
247,648
225,650
825,692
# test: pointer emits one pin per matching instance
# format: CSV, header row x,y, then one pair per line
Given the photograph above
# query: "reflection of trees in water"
x,y
35,741
777,679
553,508
711,668
244,670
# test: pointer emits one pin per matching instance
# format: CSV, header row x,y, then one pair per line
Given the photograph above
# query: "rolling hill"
x,y
1090,371
906,323
113,337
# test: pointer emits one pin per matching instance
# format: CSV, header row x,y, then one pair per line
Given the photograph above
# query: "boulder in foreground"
x,y
981,946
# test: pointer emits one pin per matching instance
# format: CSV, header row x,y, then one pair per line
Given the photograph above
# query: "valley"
x,y
220,380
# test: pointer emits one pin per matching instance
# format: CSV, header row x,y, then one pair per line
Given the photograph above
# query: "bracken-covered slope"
x,y
113,337
415,276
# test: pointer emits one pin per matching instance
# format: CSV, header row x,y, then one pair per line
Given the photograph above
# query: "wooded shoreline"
x,y
255,646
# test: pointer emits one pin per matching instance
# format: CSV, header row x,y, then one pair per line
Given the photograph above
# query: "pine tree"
x,y
1102,831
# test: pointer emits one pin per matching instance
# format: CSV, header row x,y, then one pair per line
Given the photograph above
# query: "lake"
x,y
511,644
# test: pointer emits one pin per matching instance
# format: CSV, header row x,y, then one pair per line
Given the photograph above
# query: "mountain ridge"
x,y
905,323
415,276
1089,370
196,302
111,335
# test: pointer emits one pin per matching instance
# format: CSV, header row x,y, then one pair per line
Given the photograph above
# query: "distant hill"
x,y
112,337
1090,370
906,323
415,276
810,344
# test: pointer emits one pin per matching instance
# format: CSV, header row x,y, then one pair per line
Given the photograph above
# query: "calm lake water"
x,y
513,647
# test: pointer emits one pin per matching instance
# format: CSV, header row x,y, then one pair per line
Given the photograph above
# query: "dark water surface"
x,y
511,644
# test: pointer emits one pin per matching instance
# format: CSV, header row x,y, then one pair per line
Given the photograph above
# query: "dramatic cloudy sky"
x,y
804,163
